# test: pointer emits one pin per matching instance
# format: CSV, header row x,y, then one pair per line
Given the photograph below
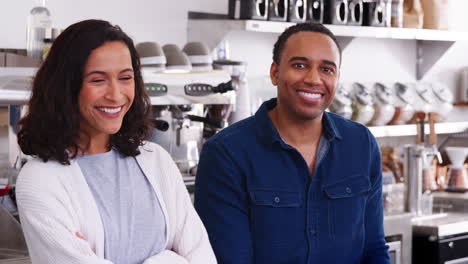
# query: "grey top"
x,y
134,224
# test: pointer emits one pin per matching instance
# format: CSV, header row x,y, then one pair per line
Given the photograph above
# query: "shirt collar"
x,y
268,133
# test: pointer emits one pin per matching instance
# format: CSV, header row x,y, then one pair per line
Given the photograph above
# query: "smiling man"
x,y
293,183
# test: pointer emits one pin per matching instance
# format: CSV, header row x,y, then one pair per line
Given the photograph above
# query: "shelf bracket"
x,y
198,29
344,41
428,53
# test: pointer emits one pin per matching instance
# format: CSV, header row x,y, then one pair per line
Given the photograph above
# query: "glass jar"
x,y
458,178
363,109
383,105
457,174
424,98
341,105
443,99
403,100
391,161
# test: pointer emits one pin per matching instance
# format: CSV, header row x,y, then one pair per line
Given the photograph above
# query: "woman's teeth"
x,y
110,110
311,95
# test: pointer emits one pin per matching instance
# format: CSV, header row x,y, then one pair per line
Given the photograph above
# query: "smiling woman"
x,y
106,95
96,191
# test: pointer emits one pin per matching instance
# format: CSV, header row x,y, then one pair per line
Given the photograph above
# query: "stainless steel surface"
x,y
458,261
394,249
400,224
441,225
417,158
12,243
16,261
10,254
450,202
413,165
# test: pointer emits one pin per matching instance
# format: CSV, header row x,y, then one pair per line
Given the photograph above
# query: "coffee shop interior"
x,y
404,74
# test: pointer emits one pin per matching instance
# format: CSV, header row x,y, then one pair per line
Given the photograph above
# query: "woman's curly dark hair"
x,y
51,127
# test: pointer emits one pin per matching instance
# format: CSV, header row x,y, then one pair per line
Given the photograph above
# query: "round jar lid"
x,y
403,92
343,96
442,92
424,92
383,93
362,94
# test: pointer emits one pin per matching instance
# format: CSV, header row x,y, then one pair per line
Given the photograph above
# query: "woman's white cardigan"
x,y
55,202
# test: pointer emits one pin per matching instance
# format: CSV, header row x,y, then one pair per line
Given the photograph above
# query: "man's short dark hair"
x,y
310,27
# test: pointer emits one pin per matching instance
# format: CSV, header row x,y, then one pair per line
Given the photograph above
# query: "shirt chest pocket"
x,y
273,212
346,203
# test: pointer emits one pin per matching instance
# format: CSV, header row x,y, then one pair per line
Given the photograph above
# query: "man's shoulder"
x,y
347,128
241,130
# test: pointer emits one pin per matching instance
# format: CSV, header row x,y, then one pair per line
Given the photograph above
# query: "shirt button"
x,y
277,199
312,232
348,190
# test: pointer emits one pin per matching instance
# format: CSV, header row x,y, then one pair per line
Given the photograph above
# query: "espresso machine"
x,y
186,108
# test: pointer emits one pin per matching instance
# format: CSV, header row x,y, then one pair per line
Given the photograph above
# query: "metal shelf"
x,y
15,89
431,44
410,130
15,85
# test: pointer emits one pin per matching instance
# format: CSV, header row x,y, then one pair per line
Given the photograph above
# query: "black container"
x,y
248,9
376,13
297,11
315,11
356,13
440,250
278,10
336,12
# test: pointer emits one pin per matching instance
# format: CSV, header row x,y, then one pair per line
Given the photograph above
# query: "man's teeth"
x,y
311,95
110,110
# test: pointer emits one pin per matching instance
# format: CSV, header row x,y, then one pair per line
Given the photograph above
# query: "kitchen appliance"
x,y
179,102
315,11
298,11
383,105
278,10
237,70
441,239
403,101
418,173
248,9
458,178
336,12
199,56
462,96
341,105
176,60
443,99
377,13
168,88
356,12
151,56
363,109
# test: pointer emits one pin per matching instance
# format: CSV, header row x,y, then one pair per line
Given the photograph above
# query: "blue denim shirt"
x,y
259,203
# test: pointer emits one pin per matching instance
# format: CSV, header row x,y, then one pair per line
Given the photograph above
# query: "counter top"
x,y
441,225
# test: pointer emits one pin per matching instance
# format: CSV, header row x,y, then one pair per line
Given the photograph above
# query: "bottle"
x,y
47,43
39,21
